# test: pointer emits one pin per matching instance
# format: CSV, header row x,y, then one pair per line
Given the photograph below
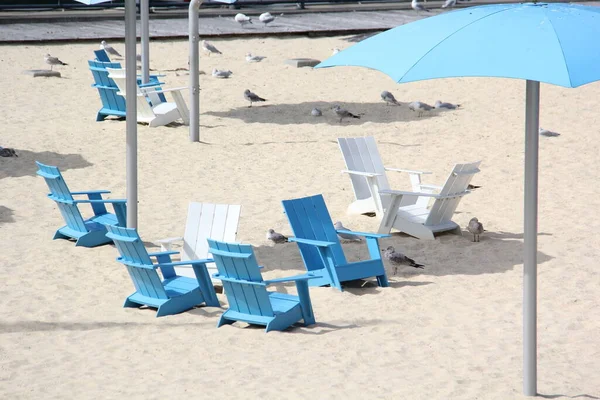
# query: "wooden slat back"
x,y
110,98
242,297
310,219
456,184
101,55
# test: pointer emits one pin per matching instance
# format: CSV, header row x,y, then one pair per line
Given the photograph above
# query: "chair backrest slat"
x,y
101,55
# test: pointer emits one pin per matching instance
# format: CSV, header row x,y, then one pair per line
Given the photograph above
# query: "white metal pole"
x,y
532,120
194,71
131,113
145,37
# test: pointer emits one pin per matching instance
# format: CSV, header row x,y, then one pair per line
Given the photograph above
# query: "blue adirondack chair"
x,y
101,55
246,291
172,295
321,249
89,232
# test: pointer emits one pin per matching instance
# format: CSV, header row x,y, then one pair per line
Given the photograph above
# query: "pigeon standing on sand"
x,y
449,3
449,106
345,236
397,259
242,19
52,61
276,237
419,107
342,113
209,48
251,58
316,112
417,6
389,98
7,152
252,97
476,228
221,73
547,133
109,49
265,18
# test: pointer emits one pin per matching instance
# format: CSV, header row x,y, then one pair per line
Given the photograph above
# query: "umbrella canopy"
x,y
552,43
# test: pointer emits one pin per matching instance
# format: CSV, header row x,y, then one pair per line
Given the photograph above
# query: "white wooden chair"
x,y
150,108
204,221
423,222
369,179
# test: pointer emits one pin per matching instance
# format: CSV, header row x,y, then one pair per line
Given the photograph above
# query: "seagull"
x,y
547,133
242,19
449,106
345,236
417,7
109,49
335,51
209,48
389,98
276,237
449,3
52,61
221,73
265,18
316,112
398,259
419,107
476,228
252,97
251,58
342,113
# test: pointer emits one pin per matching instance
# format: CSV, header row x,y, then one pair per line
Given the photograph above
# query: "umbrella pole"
x,y
131,113
145,35
532,120
194,71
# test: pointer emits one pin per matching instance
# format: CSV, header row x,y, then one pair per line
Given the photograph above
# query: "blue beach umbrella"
x,y
553,43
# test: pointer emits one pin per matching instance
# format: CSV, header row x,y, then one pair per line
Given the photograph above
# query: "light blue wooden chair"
x,y
246,291
172,295
90,232
320,247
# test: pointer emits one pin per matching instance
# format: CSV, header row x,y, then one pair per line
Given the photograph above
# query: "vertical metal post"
x,y
145,38
532,120
194,69
131,114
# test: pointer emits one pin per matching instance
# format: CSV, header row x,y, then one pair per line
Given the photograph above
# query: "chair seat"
x,y
283,303
179,285
164,108
97,222
414,214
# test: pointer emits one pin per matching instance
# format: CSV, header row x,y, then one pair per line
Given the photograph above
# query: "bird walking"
x,y
109,49
266,18
398,259
209,48
389,98
252,97
276,237
476,228
418,6
438,104
242,19
345,236
52,61
343,113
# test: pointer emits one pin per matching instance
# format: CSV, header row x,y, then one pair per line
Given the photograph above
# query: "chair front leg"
x,y
305,304
389,216
99,208
167,272
121,213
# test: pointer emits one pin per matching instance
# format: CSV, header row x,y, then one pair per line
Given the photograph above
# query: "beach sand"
x,y
450,331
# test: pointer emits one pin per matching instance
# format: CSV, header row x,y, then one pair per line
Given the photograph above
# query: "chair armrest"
x,y
90,192
169,240
150,84
188,262
365,234
124,201
162,253
235,280
368,174
403,193
409,171
426,186
318,243
171,89
229,253
303,277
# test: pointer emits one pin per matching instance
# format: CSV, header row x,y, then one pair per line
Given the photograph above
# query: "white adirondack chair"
x,y
204,221
423,222
150,108
369,179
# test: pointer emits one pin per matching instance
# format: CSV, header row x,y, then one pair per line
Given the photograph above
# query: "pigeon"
x,y
472,187
7,152
418,7
221,73
449,106
476,228
345,236
276,237
389,98
251,58
449,3
342,113
252,97
265,18
109,49
52,61
398,259
419,107
335,51
316,112
547,133
209,48
242,19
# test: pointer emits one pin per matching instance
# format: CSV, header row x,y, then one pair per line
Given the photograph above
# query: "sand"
x,y
450,331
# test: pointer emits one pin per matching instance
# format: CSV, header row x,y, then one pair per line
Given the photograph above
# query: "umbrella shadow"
x,y
300,113
44,326
24,165
6,215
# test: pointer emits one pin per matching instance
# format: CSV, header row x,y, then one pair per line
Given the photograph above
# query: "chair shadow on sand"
x,y
6,215
300,113
24,165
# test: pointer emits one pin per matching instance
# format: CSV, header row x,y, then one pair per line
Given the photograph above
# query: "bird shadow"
x,y
556,396
300,113
24,165
6,215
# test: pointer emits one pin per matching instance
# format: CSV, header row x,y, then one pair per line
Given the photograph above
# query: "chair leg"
x,y
382,281
224,321
304,295
130,304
